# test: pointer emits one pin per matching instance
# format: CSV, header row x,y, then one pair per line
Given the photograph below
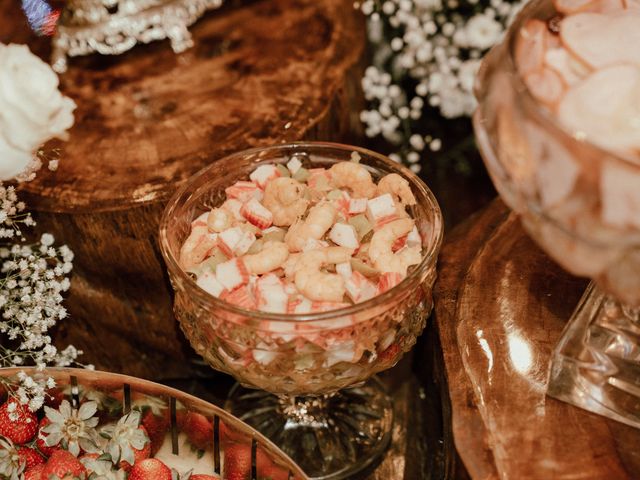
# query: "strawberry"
x,y
40,439
34,473
237,462
199,430
138,455
150,469
30,457
17,423
202,476
157,427
273,472
227,434
54,398
63,465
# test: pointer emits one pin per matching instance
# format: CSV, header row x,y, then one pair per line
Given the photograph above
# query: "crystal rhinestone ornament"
x,y
111,27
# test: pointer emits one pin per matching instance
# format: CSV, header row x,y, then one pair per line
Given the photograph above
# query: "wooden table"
x,y
501,304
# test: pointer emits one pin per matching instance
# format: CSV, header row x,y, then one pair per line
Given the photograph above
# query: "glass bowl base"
x,y
596,364
330,437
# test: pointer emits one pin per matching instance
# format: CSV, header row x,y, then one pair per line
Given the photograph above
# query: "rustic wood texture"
x,y
501,304
260,73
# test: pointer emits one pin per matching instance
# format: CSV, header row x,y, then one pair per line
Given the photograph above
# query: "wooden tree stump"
x,y
260,73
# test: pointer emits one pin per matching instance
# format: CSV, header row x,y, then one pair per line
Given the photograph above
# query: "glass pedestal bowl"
x,y
301,363
221,438
581,204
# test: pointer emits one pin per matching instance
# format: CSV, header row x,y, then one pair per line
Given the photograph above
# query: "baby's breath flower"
x,y
425,49
32,278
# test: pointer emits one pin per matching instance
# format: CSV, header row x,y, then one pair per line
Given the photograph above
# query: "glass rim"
x,y
530,103
412,279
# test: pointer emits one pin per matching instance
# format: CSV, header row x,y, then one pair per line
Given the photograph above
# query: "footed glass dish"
x,y
315,397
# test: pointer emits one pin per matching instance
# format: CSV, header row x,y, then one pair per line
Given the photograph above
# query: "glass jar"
x,y
581,203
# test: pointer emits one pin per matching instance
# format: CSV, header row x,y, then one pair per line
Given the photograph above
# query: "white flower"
x,y
452,103
124,438
47,239
32,109
467,74
429,4
102,469
13,161
73,429
11,465
483,31
434,47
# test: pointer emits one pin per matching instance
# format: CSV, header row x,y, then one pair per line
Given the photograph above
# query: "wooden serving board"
x,y
501,304
260,73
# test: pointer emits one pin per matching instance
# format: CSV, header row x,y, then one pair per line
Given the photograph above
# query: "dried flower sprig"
x,y
33,278
426,55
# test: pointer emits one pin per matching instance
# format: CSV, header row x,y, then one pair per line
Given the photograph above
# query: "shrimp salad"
x,y
297,240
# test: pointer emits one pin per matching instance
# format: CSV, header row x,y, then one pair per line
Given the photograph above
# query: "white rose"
x,y
13,161
32,109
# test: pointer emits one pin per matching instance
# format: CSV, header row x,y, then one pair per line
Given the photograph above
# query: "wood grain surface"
x,y
260,73
501,304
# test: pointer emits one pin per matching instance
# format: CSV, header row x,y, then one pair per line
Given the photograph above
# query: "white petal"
x,y
87,410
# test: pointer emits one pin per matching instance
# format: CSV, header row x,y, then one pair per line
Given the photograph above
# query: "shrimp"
x,y
272,256
320,219
354,177
398,187
285,198
381,253
289,265
219,220
317,285
196,247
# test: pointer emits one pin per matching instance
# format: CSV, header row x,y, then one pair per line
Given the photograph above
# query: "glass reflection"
x,y
519,353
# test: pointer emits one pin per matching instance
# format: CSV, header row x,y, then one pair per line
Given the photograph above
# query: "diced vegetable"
x,y
322,183
284,171
256,246
302,175
210,264
362,225
367,270
274,236
335,195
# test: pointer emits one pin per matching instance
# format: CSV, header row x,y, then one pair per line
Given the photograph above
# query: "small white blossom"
x,y
483,31
47,239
